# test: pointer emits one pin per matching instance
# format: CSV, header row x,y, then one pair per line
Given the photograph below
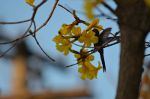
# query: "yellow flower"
x,y
58,39
64,46
84,55
30,2
65,29
88,38
76,31
94,24
88,71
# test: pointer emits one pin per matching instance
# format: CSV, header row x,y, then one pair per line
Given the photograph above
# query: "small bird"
x,y
101,36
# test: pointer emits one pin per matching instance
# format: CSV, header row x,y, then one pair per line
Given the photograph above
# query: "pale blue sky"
x,y
103,87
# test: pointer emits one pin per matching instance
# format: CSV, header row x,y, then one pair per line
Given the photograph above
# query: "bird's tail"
x,y
103,61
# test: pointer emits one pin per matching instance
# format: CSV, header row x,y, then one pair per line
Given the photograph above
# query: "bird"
x,y
101,40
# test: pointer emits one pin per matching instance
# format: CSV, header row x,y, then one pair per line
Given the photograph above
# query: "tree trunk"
x,y
134,23
132,54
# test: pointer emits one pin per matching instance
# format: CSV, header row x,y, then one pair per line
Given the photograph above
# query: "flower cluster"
x,y
89,6
86,68
71,33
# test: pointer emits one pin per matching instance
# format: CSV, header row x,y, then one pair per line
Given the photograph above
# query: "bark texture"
x,y
134,23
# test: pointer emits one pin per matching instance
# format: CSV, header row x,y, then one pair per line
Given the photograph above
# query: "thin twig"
x,y
17,22
37,42
72,13
50,15
72,64
34,25
104,14
81,45
36,8
108,7
111,44
65,8
4,53
23,36
79,60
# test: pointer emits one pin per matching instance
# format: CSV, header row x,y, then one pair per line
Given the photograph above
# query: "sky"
x,y
104,87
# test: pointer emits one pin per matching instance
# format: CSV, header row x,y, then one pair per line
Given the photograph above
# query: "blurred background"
x,y
26,72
